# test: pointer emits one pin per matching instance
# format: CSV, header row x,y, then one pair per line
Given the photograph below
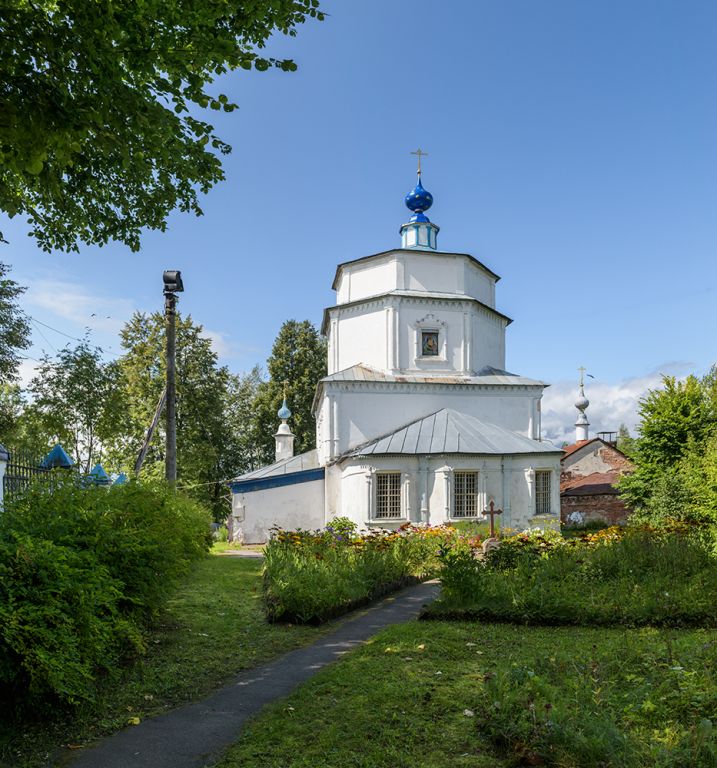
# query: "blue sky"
x,y
572,148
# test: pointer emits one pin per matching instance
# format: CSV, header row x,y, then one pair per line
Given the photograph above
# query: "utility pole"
x,y
172,285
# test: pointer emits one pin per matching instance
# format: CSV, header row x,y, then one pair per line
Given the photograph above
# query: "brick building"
x,y
589,471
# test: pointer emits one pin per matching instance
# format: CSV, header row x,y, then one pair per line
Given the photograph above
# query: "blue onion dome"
x,y
284,413
419,200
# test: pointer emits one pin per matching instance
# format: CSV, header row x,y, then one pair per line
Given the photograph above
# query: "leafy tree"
x,y
298,358
674,422
625,442
77,402
99,133
207,451
11,406
240,418
14,324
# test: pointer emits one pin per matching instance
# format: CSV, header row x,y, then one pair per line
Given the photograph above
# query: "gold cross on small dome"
x,y
420,154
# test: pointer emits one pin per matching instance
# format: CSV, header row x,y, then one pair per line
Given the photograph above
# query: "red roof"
x,y
589,485
576,446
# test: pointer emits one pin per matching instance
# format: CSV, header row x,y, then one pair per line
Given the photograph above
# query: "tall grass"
x,y
637,579
310,577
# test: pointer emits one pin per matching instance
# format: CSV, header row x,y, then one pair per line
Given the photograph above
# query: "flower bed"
x,y
633,578
313,576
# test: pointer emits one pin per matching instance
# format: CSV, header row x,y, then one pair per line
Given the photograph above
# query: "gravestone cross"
x,y
492,511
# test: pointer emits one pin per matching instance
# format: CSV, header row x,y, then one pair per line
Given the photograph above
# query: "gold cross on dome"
x,y
420,154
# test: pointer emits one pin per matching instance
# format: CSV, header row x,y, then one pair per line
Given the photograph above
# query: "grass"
x,y
460,695
637,580
213,627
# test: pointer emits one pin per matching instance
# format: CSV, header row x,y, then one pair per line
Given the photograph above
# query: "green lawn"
x,y
213,627
453,695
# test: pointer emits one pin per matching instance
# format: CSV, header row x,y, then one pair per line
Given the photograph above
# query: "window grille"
x,y
465,494
388,495
542,492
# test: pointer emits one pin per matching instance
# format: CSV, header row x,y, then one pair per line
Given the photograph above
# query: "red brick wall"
x,y
607,508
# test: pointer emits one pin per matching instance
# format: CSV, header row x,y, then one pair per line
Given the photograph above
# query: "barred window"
x,y
543,492
388,495
465,494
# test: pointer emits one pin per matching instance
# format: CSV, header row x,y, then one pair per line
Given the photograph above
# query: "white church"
x,y
417,420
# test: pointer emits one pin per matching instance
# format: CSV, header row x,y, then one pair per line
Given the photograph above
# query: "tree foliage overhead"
x,y
99,133
298,358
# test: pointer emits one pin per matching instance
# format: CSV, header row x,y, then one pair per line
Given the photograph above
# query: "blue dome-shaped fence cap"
x,y
121,479
57,457
419,199
284,413
98,475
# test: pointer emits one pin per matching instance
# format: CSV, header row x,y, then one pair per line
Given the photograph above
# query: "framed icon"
x,y
429,343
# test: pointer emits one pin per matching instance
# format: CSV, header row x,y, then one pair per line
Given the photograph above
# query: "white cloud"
x,y
26,370
611,404
220,344
75,304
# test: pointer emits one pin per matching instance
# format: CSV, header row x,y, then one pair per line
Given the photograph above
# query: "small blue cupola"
x,y
284,413
419,232
284,438
98,476
57,457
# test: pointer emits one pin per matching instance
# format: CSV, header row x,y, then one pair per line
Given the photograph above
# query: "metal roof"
x,y
486,376
410,250
308,460
449,431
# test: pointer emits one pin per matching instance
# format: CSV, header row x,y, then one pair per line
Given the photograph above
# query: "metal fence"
x,y
22,468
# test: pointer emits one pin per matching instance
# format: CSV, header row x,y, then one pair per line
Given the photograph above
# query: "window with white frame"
x,y
543,492
465,494
388,495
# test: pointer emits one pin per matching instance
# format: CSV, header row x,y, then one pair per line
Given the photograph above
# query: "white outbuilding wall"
x,y
293,506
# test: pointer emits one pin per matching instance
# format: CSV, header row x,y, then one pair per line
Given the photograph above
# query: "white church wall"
x,y
289,506
487,341
367,278
416,317
478,284
507,481
362,338
417,270
369,412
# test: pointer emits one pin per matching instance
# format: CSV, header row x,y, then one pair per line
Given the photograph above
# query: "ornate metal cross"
x,y
582,370
492,512
420,154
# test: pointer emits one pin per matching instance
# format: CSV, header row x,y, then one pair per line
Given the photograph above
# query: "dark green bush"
x,y
82,571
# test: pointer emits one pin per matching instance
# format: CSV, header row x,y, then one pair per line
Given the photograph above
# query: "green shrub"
x,y
637,578
314,576
82,570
